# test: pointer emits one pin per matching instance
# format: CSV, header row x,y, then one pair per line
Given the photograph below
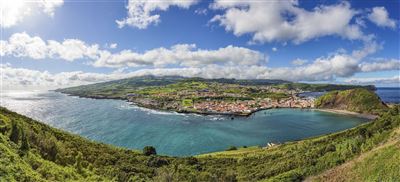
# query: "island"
x,y
206,96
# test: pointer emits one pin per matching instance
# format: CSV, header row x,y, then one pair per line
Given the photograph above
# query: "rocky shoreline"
x,y
236,114
192,111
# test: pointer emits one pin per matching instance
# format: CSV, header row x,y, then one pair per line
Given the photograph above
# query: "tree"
x,y
78,163
52,149
149,150
231,148
14,136
25,144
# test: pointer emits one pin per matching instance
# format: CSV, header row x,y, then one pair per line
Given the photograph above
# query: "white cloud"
x,y
299,62
49,6
183,55
24,45
72,49
17,78
113,45
201,11
181,59
378,80
322,69
13,12
380,66
380,17
269,21
328,68
141,12
274,49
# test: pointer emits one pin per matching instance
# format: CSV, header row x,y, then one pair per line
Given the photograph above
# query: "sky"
x,y
50,44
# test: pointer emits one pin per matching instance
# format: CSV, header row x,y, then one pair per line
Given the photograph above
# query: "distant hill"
x,y
357,100
119,88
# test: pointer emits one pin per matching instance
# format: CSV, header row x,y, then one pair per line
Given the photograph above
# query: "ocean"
x,y
122,124
389,95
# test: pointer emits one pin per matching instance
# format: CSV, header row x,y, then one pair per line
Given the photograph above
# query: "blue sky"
x,y
214,43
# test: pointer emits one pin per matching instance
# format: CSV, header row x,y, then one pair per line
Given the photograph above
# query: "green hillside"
x,y
356,100
118,89
32,151
380,164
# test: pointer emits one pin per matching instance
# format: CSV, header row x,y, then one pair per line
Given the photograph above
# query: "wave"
x,y
217,118
149,111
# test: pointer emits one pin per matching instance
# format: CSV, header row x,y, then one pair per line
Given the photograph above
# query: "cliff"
x,y
356,100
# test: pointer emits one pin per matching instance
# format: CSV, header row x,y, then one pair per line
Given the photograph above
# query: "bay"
x,y
122,124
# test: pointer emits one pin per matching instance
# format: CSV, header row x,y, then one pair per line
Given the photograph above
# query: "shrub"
x,y
78,163
231,148
14,136
157,162
25,144
149,150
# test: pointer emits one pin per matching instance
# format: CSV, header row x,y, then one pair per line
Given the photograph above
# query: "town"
x,y
215,98
248,107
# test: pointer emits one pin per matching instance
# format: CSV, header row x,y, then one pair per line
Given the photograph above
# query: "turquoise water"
x,y
119,123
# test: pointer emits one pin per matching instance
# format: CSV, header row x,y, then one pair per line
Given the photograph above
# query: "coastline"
x,y
192,111
247,114
344,112
160,109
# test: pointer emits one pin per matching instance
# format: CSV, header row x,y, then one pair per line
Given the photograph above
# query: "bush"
x,y
25,144
157,162
14,136
78,163
231,148
149,150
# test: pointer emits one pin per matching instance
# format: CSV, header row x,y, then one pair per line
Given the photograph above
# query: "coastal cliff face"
x,y
355,100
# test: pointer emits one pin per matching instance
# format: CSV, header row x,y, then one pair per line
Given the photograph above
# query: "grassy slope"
x,y
53,156
380,164
356,100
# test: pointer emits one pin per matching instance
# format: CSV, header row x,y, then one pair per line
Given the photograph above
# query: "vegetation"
x,y
149,150
380,164
231,148
54,155
204,96
321,87
119,89
357,100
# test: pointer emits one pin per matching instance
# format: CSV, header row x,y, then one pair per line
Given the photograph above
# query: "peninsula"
x,y
206,96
